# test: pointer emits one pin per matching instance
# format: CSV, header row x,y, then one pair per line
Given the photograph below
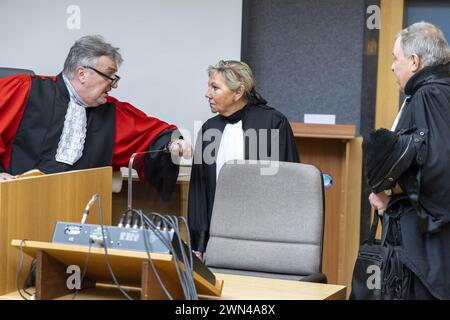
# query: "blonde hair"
x,y
235,74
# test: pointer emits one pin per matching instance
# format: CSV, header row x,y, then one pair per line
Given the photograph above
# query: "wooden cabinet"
x,y
335,150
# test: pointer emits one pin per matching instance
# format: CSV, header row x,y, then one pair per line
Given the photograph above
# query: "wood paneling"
x,y
30,207
350,235
336,131
327,155
336,152
388,93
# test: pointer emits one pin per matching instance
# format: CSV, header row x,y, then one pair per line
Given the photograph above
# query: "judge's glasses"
x,y
113,80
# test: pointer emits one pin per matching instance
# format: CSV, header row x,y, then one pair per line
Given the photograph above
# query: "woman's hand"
x,y
379,201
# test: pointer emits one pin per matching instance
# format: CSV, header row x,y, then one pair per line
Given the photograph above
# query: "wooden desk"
x,y
235,287
254,288
131,268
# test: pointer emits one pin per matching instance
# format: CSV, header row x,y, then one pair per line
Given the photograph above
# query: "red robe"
x,y
20,95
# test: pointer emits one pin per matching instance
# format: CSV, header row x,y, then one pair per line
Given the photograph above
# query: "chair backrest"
x,y
269,223
4,72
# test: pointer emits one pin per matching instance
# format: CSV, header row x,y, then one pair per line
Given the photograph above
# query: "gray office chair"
x,y
4,72
268,225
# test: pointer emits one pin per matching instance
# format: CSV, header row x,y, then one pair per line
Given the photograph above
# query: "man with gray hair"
x,y
421,64
69,121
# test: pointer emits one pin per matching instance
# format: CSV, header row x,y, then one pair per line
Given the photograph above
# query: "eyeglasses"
x,y
113,80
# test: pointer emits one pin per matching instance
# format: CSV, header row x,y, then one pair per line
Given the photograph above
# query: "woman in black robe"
x,y
244,120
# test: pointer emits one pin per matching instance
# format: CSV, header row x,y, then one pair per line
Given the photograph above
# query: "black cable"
x,y
105,246
19,271
146,244
129,220
122,220
186,225
183,219
155,223
168,244
30,274
186,277
137,222
188,263
158,233
86,262
162,238
125,217
148,250
185,273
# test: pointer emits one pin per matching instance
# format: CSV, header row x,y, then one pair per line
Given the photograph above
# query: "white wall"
x,y
166,44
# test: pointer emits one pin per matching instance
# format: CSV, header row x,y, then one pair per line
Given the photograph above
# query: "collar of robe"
x,y
255,99
428,75
235,117
71,142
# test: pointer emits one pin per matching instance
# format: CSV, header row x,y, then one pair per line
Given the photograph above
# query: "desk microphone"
x,y
88,207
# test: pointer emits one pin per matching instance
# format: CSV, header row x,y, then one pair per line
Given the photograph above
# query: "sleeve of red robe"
x,y
137,132
14,92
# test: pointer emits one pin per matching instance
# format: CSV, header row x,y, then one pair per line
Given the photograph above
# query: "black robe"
x,y
202,186
426,241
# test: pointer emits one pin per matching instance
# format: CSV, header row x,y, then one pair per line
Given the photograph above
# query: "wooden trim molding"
x,y
331,131
388,94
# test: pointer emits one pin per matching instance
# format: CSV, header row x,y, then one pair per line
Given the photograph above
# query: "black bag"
x,y
379,274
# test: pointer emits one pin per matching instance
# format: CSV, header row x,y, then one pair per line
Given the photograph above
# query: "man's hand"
x,y
5,176
379,201
180,148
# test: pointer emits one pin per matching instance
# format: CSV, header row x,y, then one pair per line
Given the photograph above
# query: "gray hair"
x,y
426,41
86,51
235,74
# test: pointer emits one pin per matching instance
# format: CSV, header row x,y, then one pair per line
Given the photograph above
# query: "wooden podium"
x,y
30,208
131,268
335,150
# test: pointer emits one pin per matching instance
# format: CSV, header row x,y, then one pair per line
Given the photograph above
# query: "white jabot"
x,y
71,142
231,145
399,114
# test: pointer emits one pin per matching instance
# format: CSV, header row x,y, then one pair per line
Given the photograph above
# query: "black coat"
x,y
425,229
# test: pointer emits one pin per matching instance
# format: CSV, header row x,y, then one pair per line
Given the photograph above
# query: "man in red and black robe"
x,y
34,113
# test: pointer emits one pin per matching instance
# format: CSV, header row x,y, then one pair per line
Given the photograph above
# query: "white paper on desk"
x,y
320,118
